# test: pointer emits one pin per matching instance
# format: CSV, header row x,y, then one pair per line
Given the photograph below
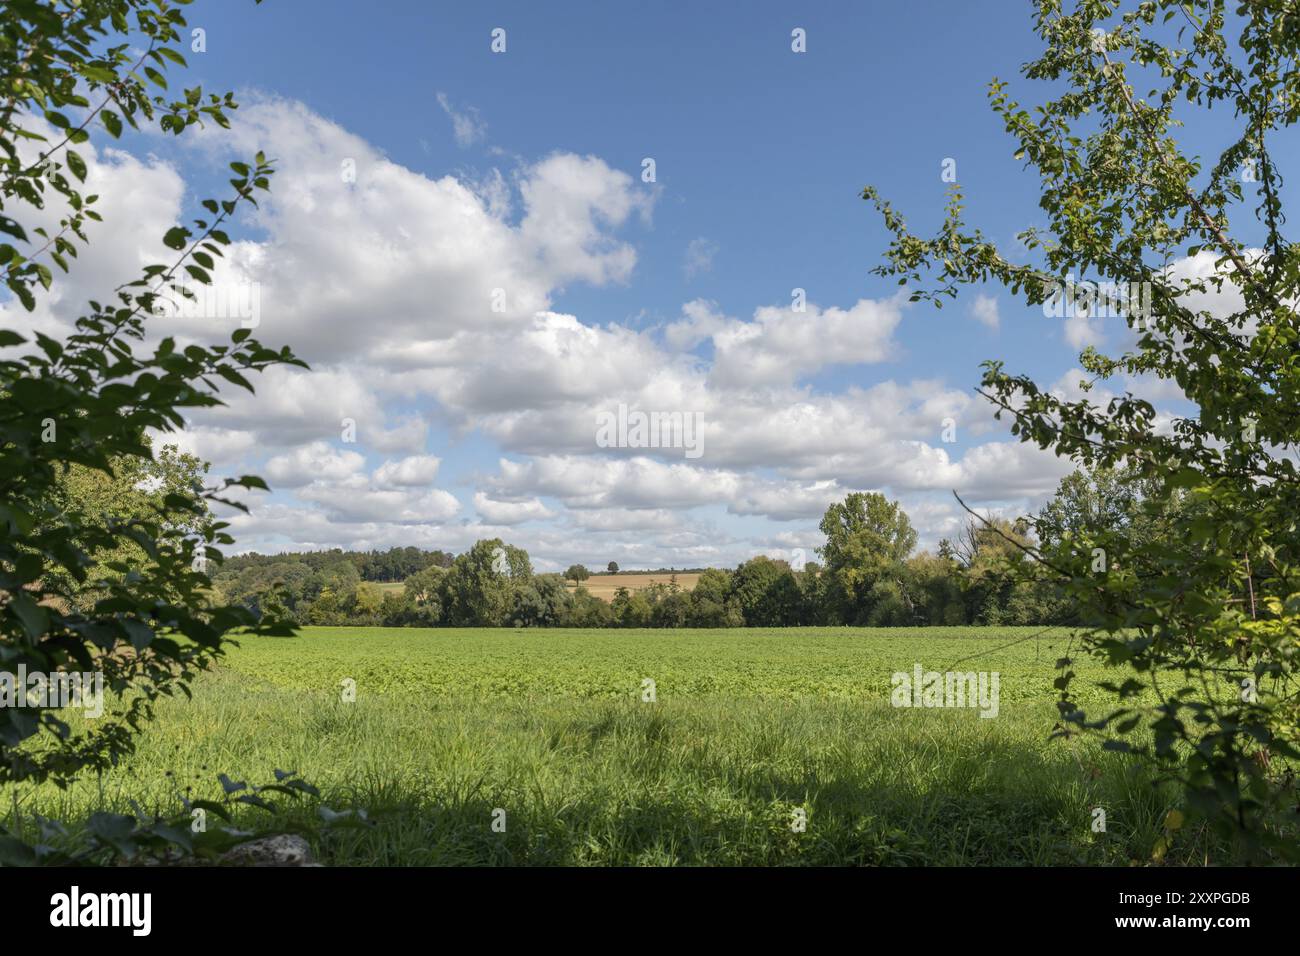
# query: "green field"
x,y
748,727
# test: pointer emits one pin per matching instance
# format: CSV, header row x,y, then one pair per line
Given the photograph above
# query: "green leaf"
x,y
35,619
176,238
77,165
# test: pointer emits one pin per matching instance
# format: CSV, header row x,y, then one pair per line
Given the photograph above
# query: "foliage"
x,y
136,488
767,593
97,57
936,586
140,838
480,585
867,539
395,564
86,405
1208,614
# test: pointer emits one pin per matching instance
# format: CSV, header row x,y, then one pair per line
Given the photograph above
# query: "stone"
x,y
285,849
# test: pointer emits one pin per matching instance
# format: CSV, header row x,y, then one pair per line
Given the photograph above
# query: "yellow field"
x,y
603,586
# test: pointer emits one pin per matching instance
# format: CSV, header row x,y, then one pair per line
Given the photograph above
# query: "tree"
x,y
368,598
934,589
1202,622
423,586
631,608
767,593
712,603
813,587
541,601
1115,509
88,402
136,487
587,610
867,539
672,608
612,567
479,589
576,573
284,586
989,553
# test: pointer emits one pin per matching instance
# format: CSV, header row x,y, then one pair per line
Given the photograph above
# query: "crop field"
x,y
604,586
479,746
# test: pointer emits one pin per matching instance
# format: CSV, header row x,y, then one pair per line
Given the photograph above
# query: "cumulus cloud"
x,y
140,199
495,511
426,307
316,461
359,499
782,345
362,253
413,471
700,321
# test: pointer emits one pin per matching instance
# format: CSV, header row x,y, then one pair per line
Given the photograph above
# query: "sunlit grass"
x,y
451,727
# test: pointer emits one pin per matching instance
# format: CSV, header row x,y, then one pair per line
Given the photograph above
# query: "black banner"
x,y
335,905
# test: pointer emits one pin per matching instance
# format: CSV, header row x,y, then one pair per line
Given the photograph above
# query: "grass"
x,y
450,727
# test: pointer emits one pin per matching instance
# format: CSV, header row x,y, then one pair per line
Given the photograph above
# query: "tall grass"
x,y
585,777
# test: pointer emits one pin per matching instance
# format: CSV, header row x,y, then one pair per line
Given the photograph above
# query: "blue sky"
x,y
673,295
758,150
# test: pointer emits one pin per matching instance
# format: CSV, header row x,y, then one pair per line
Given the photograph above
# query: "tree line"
x,y
867,575
395,564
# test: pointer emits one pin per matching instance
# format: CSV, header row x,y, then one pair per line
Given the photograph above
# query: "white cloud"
x,y
570,200
1083,329
985,311
358,499
781,346
385,285
701,320
415,471
139,201
467,127
788,501
364,257
495,511
317,461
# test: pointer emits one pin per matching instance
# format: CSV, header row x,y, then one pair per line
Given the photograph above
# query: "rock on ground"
x,y
286,849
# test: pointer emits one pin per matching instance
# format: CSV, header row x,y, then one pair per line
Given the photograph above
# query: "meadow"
x,y
551,734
